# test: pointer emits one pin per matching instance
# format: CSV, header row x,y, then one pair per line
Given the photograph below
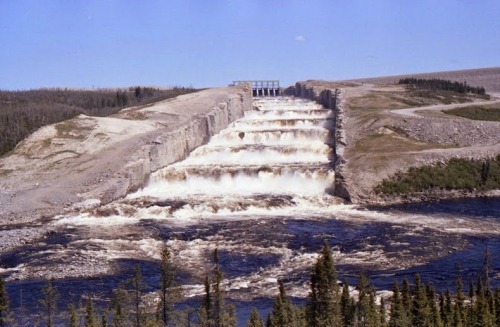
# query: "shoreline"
x,y
430,198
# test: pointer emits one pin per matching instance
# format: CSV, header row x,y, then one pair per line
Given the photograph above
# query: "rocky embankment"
x,y
416,139
451,130
87,160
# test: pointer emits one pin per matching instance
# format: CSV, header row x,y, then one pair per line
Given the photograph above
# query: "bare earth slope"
x,y
101,159
489,78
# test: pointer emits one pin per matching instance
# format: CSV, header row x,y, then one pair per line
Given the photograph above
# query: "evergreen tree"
x,y
269,322
487,260
300,316
119,303
446,309
471,315
364,309
49,302
170,292
206,305
459,309
406,298
482,313
497,306
457,320
383,313
346,306
421,309
104,320
229,318
490,299
283,312
4,303
218,295
73,316
442,303
89,313
137,285
255,319
435,317
323,308
372,315
213,311
399,316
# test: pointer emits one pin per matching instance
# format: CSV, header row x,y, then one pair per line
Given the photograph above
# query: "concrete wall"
x,y
175,145
330,99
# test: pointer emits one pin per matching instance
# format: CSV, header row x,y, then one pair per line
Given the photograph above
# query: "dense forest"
x,y
329,303
442,85
23,112
456,174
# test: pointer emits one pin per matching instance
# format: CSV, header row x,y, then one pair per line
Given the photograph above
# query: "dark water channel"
x,y
450,255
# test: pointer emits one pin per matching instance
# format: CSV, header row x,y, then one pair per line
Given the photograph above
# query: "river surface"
x,y
259,192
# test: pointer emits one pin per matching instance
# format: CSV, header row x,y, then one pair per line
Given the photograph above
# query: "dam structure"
x,y
262,88
274,158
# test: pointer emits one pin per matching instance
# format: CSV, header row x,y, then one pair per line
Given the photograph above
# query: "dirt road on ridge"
x,y
413,112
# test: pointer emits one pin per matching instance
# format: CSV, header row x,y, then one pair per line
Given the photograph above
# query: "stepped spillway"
x,y
278,150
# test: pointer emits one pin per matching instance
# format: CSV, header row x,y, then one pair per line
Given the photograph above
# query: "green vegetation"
x,y
49,302
428,97
323,308
255,319
456,174
4,304
476,112
23,112
214,312
328,305
436,84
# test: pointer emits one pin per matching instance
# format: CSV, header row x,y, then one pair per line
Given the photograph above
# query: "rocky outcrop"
x,y
330,99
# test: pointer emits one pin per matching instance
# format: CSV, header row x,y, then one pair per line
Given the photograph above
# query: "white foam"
x,y
241,184
263,157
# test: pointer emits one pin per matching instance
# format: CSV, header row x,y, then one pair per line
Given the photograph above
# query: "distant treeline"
x,y
329,304
456,174
443,85
23,112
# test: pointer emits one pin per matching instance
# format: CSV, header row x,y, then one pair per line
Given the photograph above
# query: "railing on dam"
x,y
262,88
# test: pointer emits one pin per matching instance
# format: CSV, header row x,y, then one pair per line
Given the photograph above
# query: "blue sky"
x,y
108,43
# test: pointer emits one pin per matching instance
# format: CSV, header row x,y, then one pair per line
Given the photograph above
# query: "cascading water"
x,y
259,155
275,159
259,191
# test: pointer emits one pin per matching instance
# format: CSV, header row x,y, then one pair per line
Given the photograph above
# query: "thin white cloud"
x,y
300,38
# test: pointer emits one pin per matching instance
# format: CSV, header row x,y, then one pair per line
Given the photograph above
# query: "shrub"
x,y
456,174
